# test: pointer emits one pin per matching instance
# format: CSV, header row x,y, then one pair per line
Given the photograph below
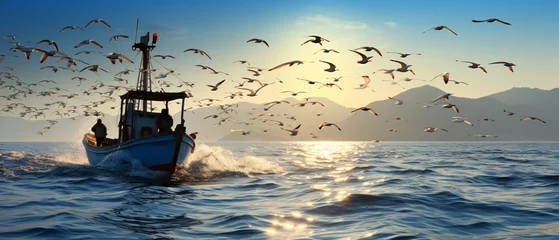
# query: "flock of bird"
x,y
249,86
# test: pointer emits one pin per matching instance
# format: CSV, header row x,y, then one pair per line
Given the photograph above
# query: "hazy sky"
x,y
222,28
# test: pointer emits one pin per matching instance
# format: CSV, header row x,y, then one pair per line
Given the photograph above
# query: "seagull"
x,y
253,92
214,88
491,20
404,55
49,42
271,104
93,68
198,51
482,135
430,129
310,81
532,118
116,37
291,63
256,40
366,109
87,42
294,131
327,124
88,52
324,50
47,54
407,79
364,59
113,57
394,83
386,71
337,79
242,62
98,21
164,56
450,105
330,85
293,93
486,119
506,64
437,28
332,67
242,131
255,73
71,28
457,82
313,136
368,49
445,95
251,80
445,75
398,102
26,50
364,85
474,65
460,119
55,69
317,39
509,113
403,67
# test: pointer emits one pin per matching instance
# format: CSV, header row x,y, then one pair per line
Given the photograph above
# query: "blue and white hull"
x,y
162,153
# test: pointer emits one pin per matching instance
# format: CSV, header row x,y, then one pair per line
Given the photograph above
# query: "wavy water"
x,y
299,190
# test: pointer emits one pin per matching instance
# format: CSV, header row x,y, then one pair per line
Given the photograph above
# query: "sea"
x,y
288,190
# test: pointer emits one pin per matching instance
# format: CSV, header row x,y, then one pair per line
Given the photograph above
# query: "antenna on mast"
x,y
137,22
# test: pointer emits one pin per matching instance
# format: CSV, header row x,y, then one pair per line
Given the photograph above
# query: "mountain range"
x,y
358,126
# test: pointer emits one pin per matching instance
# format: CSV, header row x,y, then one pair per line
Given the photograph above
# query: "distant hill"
x,y
358,126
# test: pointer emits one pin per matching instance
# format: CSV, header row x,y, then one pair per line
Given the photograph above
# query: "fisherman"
x,y
100,132
165,121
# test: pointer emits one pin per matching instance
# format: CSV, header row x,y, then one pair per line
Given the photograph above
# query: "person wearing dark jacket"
x,y
100,132
165,122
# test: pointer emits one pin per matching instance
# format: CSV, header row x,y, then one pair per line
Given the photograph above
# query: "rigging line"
x,y
168,70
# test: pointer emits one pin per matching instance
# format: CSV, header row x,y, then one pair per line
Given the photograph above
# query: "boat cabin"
x,y
136,121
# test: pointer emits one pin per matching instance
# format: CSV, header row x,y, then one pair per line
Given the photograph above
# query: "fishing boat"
x,y
139,139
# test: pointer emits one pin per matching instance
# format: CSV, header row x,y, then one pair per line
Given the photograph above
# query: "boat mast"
x,y
144,83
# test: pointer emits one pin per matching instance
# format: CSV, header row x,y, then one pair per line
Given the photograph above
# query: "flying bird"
x,y
398,102
430,129
116,37
450,105
506,64
386,71
366,109
98,21
324,50
71,28
404,55
164,56
445,75
93,68
293,131
49,42
198,51
457,82
532,118
242,62
437,28
293,93
364,58
445,95
256,40
214,87
474,65
316,39
403,67
327,124
490,20
509,113
291,63
87,42
113,57
331,68
253,92
365,84
368,49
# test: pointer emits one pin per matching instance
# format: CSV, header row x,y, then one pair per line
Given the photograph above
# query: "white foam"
x,y
209,161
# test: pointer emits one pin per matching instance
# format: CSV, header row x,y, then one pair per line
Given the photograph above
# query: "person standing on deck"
x,y
165,121
100,132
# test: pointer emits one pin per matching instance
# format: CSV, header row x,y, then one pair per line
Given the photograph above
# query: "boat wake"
x,y
212,163
205,164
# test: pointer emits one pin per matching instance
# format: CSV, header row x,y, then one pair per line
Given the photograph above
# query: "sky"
x,y
221,28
